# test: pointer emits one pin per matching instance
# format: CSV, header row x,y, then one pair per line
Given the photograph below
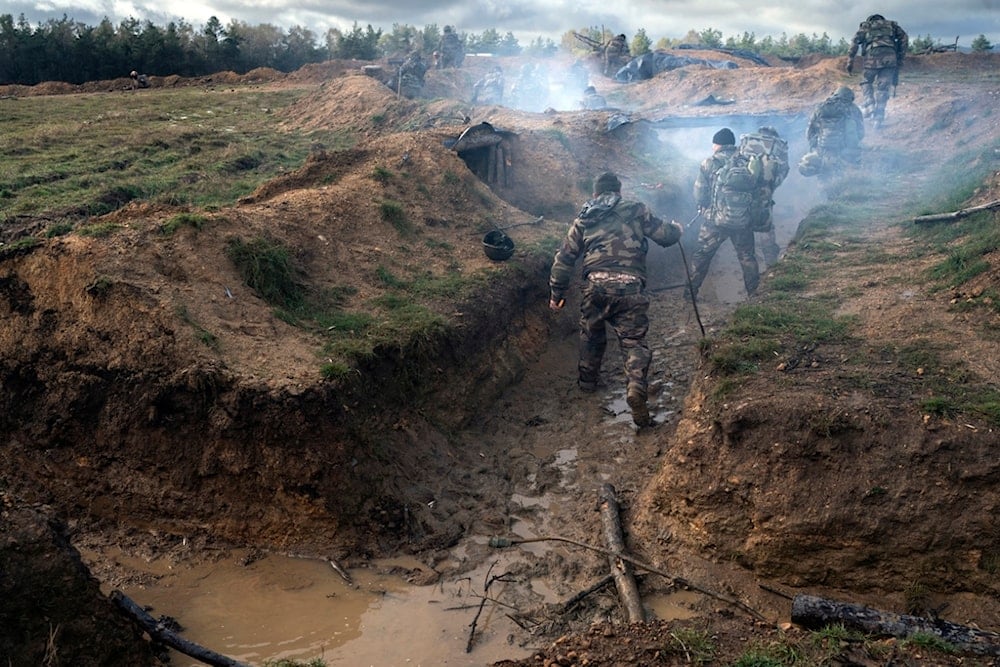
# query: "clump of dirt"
x,y
120,415
53,611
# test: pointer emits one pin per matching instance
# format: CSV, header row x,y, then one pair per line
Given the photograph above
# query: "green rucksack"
x,y
736,185
768,155
879,32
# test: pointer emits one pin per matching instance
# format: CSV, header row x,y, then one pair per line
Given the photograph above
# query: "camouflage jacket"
x,y
836,125
704,184
612,234
882,43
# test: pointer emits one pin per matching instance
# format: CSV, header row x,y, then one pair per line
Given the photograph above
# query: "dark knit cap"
x,y
724,137
607,182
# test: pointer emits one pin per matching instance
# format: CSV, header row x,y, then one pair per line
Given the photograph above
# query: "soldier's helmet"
x,y
448,28
876,17
845,93
768,131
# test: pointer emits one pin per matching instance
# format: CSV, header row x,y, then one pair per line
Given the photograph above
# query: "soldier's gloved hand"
x,y
556,300
850,65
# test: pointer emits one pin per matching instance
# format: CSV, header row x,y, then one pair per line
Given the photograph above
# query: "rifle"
x,y
895,79
592,43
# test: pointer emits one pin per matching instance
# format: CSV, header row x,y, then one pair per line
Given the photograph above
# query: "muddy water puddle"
x,y
281,607
286,608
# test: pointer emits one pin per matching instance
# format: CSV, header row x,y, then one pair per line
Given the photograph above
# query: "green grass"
x,y
193,220
760,332
695,645
266,267
82,155
394,213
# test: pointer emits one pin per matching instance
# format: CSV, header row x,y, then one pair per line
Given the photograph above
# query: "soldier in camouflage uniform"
x,y
883,45
450,49
489,89
711,236
612,234
410,80
835,131
616,54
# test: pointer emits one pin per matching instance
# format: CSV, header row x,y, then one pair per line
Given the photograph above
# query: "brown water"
x,y
293,608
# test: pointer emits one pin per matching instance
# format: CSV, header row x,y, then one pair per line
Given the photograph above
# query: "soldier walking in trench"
x,y
612,235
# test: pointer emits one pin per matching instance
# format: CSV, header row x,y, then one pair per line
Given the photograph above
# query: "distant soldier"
x,y
450,48
579,77
724,192
591,100
883,45
530,91
410,79
616,54
489,89
138,80
835,131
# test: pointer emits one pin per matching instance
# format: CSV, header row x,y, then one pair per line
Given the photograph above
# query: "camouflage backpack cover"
x,y
736,185
768,154
879,32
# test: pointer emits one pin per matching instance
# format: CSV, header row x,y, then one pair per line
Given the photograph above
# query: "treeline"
x,y
67,50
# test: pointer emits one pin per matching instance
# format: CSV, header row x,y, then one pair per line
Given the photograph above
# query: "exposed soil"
x,y
116,415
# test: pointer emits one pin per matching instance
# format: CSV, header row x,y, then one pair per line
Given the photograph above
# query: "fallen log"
x,y
162,635
956,215
815,612
621,569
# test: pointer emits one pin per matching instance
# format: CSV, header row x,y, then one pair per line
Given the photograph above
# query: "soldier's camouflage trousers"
x,y
627,314
709,239
875,91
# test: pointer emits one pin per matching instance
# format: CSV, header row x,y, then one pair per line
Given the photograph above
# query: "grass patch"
x,y
59,229
696,646
761,331
193,220
926,640
266,267
394,213
85,155
99,229
381,174
18,246
950,388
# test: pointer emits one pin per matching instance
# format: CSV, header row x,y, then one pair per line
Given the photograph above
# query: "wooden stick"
x,y
502,542
815,612
164,636
601,583
956,215
621,569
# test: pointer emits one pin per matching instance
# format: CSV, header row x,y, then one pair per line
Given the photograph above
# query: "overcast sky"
x,y
528,20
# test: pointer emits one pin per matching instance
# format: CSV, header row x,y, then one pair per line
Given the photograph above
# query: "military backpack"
x,y
768,155
879,32
736,185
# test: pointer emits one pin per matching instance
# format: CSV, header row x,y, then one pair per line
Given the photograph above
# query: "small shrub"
x,y
381,174
59,229
266,267
393,213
